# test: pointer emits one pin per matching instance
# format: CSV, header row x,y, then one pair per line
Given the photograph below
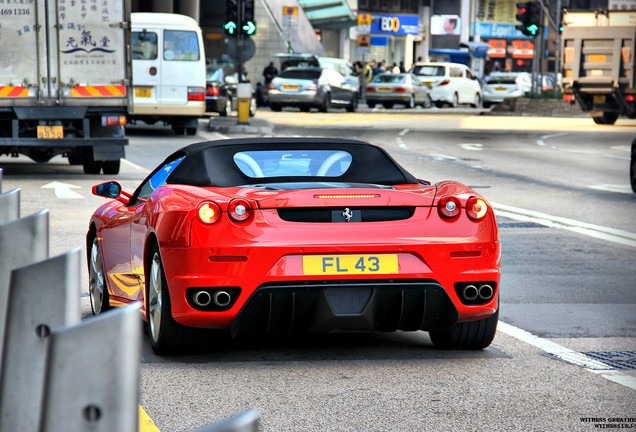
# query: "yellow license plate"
x,y
384,88
500,89
50,132
599,100
350,264
143,92
291,87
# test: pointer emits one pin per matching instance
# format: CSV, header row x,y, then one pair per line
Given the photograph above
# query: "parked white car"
x,y
451,83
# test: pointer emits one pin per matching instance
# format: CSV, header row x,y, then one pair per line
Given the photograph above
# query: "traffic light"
x,y
529,15
248,23
231,17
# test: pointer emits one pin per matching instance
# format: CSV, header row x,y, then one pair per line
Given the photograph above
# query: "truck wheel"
x,y
74,158
90,165
191,131
111,167
608,118
178,130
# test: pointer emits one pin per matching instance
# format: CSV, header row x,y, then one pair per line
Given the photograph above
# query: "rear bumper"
x,y
295,99
392,97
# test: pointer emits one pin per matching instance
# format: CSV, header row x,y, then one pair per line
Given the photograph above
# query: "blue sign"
x,y
395,24
379,41
499,31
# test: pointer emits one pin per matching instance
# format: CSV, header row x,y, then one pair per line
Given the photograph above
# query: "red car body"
x,y
294,264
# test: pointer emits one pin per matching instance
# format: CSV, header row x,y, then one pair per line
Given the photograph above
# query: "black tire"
x,y
371,105
632,166
90,165
75,158
97,287
165,334
275,107
111,167
477,103
486,104
455,102
439,104
353,106
473,335
326,103
387,105
305,108
178,130
608,118
191,131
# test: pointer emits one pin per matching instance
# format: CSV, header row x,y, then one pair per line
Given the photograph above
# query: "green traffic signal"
x,y
230,27
249,28
533,29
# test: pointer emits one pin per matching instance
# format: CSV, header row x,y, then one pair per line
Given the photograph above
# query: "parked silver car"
x,y
500,86
389,89
311,87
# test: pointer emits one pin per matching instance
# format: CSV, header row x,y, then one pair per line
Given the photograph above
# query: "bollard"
x,y
244,93
244,422
41,298
22,242
9,206
93,374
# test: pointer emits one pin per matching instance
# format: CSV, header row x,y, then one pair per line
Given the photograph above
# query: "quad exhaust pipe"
x,y
486,292
203,298
470,292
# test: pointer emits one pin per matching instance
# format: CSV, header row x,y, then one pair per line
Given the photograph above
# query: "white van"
x,y
168,63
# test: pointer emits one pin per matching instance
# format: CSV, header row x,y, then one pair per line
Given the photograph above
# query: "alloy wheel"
x,y
155,299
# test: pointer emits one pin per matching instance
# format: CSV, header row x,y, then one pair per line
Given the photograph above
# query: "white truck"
x,y
599,62
65,81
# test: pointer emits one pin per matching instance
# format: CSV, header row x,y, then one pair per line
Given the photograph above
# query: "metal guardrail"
x,y
58,373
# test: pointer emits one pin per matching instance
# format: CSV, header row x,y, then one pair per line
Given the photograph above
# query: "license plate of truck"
x,y
143,92
598,100
50,132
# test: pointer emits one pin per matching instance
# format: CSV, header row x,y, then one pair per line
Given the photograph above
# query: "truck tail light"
x,y
196,94
443,83
568,97
630,98
114,120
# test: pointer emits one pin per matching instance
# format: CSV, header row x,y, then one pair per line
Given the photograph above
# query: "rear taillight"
x,y
476,208
449,206
212,90
568,97
400,90
196,94
239,209
370,90
113,120
312,87
208,212
443,83
629,98
271,88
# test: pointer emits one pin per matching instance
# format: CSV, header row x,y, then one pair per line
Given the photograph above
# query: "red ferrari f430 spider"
x,y
288,235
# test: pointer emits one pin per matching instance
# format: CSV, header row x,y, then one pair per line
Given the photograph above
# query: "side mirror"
x,y
110,189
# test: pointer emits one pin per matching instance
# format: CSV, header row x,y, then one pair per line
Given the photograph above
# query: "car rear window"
x,y
180,45
301,74
293,163
501,80
390,79
429,70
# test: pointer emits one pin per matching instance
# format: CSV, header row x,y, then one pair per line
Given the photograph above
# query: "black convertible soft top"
x,y
211,163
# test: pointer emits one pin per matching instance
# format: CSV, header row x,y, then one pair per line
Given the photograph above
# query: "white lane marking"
x,y
63,190
541,141
588,363
404,132
134,165
624,148
442,156
400,141
597,231
472,146
613,188
616,157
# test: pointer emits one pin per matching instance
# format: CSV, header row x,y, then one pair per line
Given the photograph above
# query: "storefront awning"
x,y
328,14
